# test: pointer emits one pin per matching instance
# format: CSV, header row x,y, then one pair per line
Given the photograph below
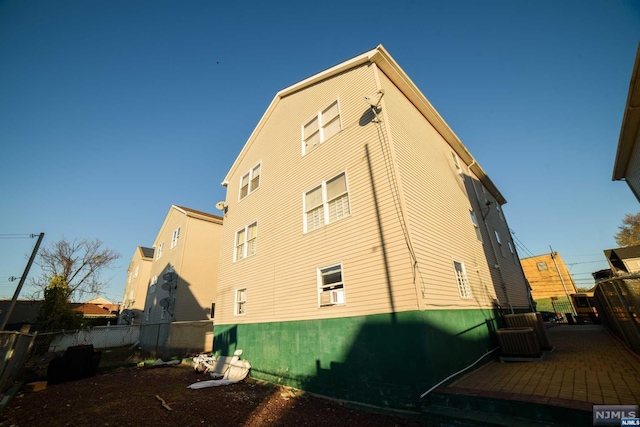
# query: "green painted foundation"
x,y
384,360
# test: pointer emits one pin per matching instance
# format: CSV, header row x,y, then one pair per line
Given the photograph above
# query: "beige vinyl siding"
x,y
632,264
199,269
194,260
135,291
437,201
281,278
170,256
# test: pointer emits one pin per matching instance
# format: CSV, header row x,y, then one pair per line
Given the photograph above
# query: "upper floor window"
x,y
246,239
512,249
159,251
463,282
500,214
330,285
175,237
499,242
474,221
323,126
542,266
326,203
136,271
250,182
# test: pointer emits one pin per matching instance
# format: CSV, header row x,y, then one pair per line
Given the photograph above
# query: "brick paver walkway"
x,y
588,366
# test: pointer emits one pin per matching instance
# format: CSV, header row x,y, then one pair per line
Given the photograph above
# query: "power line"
x,y
520,244
584,262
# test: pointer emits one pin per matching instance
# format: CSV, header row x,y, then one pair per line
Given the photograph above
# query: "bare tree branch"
x,y
78,262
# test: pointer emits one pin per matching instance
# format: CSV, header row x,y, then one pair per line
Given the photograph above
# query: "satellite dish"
x,y
168,277
164,302
167,286
374,101
221,206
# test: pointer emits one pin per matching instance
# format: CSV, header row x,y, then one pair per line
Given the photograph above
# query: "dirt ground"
x,y
131,396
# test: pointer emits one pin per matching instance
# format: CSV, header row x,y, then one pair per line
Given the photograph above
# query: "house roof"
x,y
630,124
192,213
91,310
24,311
98,300
392,70
146,252
623,253
197,214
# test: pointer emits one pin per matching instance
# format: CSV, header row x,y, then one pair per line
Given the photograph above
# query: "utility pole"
x,y
562,280
5,319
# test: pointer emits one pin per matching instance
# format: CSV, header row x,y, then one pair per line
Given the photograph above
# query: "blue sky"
x,y
111,111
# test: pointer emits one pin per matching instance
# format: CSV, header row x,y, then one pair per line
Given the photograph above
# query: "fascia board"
x,y
630,124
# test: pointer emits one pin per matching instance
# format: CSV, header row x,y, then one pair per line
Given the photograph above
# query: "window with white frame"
x,y
159,251
163,314
499,242
135,273
175,237
512,249
241,302
246,240
326,203
250,182
147,314
461,276
330,285
474,221
542,266
323,126
500,214
152,284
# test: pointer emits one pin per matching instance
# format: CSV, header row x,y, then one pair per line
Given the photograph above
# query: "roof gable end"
x,y
394,72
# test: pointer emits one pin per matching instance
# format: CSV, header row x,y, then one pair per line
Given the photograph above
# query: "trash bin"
x,y
569,318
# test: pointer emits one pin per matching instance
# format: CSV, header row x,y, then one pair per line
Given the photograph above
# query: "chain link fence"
x,y
619,308
15,348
